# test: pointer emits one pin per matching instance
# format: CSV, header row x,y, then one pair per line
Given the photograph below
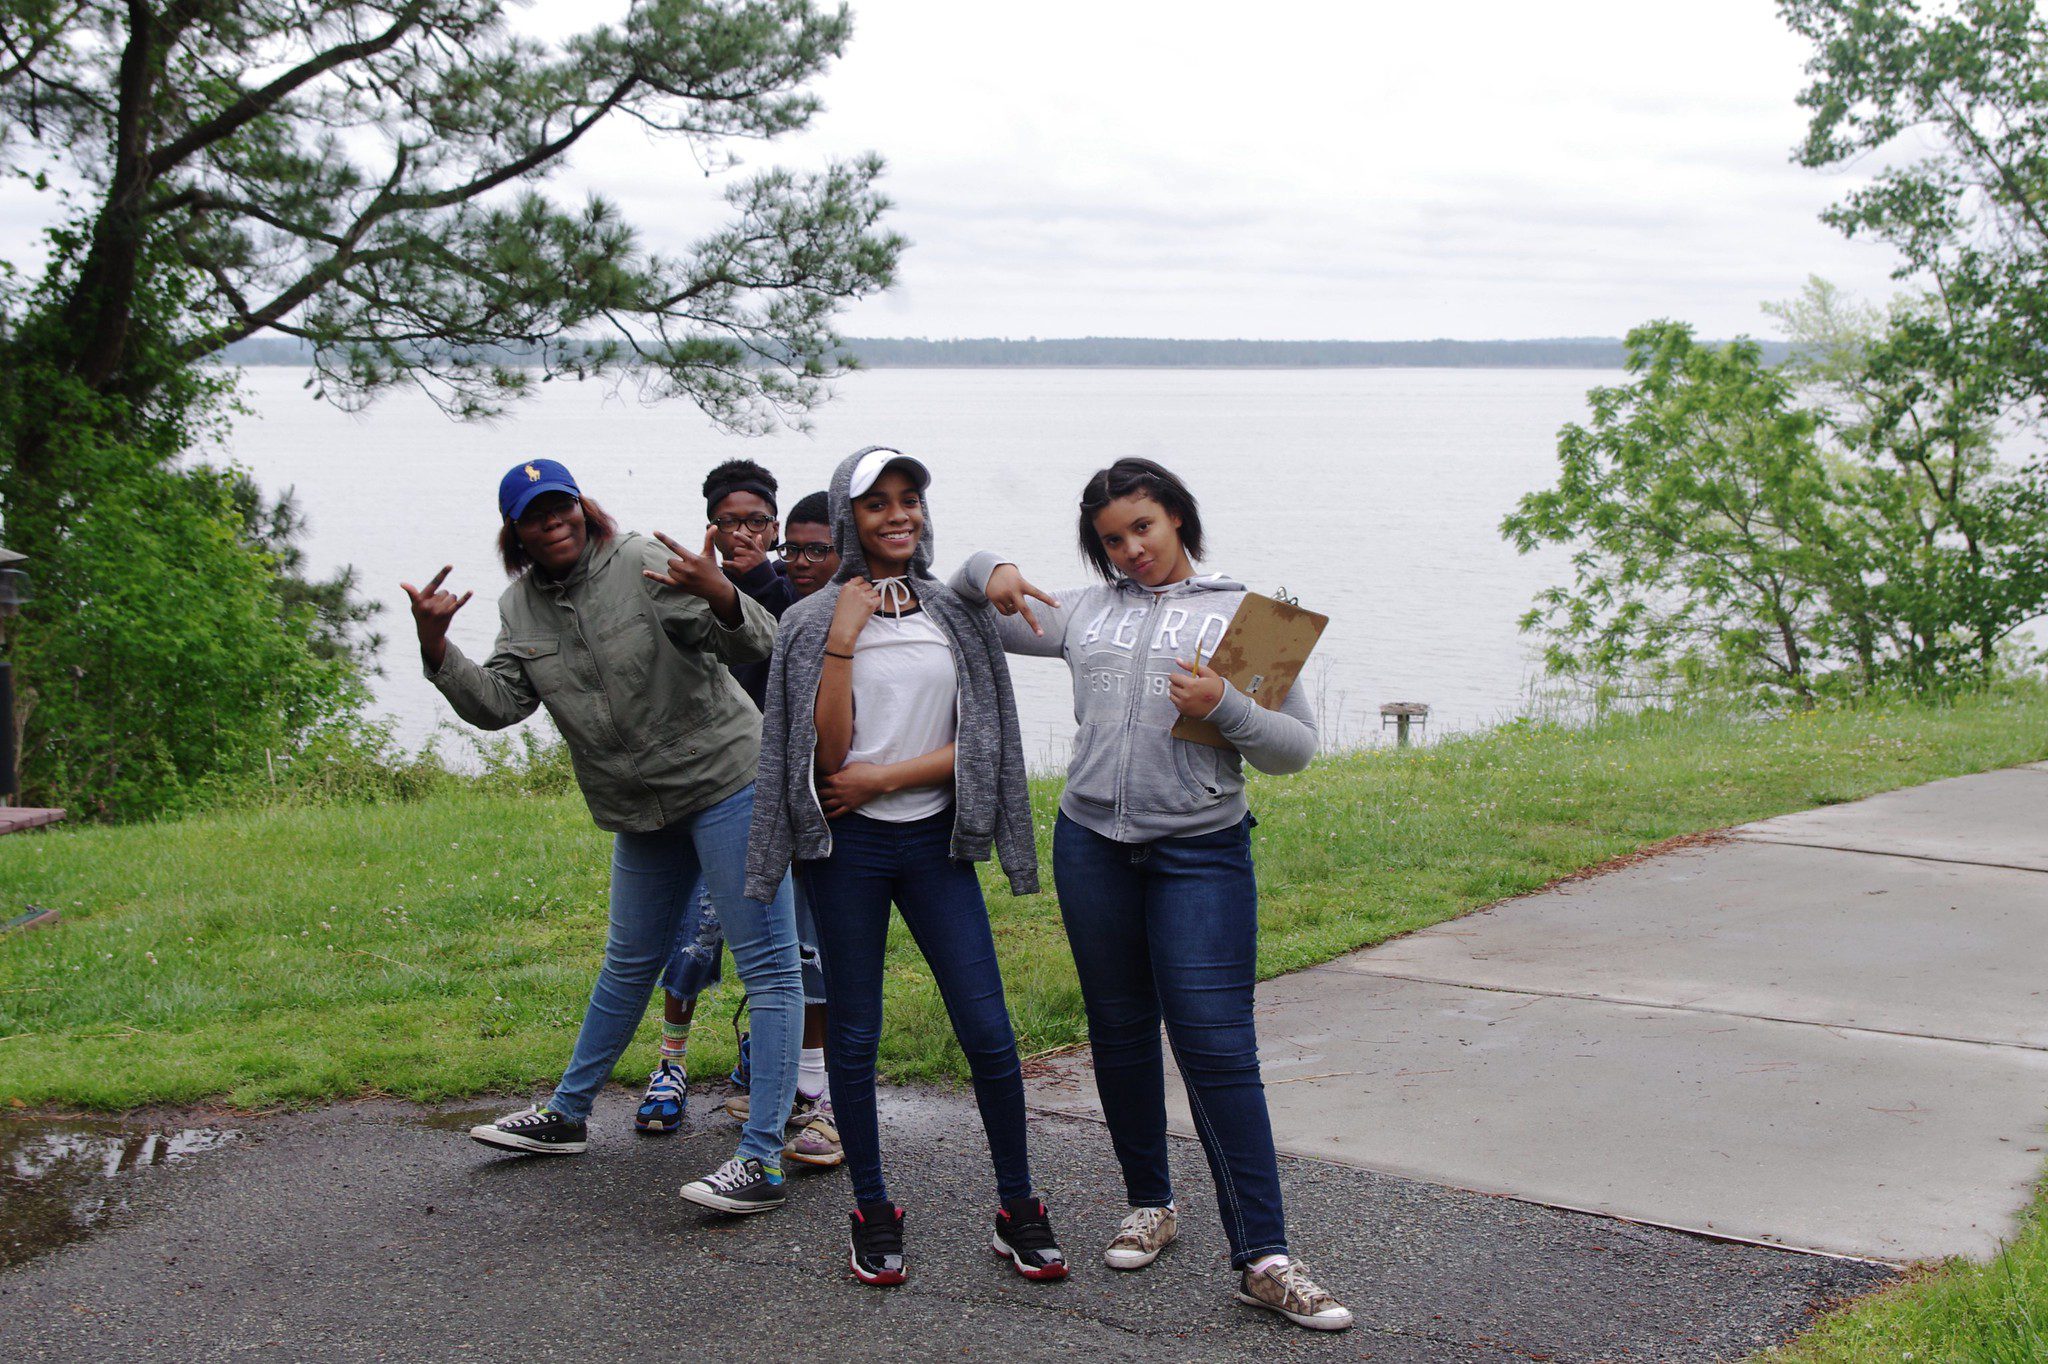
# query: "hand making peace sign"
x,y
699,575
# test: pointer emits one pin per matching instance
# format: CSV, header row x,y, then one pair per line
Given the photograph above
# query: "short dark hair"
x,y
736,476
1122,479
597,524
815,509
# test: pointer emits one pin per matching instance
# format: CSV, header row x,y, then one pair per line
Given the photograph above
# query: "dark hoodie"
x,y
991,800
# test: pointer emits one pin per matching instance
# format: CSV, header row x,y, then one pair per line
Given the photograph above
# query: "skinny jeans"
x,y
1168,930
873,863
654,878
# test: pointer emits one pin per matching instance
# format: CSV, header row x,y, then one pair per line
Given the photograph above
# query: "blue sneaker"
x,y
742,1080
661,1108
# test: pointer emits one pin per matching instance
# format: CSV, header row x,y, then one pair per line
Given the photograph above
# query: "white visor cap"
x,y
875,461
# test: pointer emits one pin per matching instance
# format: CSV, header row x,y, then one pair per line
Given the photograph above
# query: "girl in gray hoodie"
x,y
890,761
1152,858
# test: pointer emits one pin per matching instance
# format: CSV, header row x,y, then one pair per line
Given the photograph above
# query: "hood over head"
x,y
853,560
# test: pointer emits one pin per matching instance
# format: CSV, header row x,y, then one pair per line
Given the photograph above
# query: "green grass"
x,y
445,946
1994,1313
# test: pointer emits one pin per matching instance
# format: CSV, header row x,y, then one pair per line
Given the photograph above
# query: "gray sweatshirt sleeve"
x,y
970,583
490,695
1276,741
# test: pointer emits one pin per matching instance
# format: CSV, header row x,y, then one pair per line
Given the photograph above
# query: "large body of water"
x,y
1372,495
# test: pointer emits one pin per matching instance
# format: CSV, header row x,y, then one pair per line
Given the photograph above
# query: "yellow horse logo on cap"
x,y
532,474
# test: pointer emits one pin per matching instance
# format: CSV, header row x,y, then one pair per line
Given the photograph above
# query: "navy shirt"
x,y
767,583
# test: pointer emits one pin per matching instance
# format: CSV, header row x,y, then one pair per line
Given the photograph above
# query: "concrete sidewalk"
x,y
1828,1031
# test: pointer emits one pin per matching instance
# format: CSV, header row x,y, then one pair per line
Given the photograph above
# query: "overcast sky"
x,y
1359,169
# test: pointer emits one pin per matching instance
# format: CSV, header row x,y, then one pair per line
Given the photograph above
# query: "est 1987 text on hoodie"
x,y
1130,780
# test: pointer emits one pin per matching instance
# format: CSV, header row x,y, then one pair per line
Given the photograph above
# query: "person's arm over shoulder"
x,y
970,583
1276,741
690,622
491,694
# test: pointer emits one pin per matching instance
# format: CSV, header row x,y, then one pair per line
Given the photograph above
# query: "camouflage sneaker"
x,y
817,1140
1145,1232
1287,1289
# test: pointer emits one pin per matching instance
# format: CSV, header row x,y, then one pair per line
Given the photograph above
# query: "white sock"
x,y
1266,1262
810,1072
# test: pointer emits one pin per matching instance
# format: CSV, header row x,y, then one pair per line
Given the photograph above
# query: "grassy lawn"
x,y
445,946
1986,1314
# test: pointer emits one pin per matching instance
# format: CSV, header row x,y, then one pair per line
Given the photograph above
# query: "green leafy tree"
x,y
1951,101
1954,535
1697,504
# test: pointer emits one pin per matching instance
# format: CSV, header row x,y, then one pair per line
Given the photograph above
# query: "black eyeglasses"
x,y
810,554
755,523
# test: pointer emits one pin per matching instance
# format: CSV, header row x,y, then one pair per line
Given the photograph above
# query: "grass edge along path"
x,y
445,946
1993,1313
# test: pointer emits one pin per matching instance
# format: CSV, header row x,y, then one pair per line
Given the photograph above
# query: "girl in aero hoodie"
x,y
1152,857
890,759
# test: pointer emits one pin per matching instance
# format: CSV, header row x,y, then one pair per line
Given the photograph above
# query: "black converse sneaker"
x,y
875,1250
738,1186
1024,1237
539,1130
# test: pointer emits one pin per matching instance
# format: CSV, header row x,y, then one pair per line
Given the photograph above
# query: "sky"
x,y
1295,170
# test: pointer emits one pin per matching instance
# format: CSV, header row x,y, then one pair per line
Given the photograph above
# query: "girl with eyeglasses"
x,y
626,641
891,761
1152,858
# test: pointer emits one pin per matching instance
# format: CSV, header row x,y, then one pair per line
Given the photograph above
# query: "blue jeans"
x,y
874,862
1170,930
693,965
653,875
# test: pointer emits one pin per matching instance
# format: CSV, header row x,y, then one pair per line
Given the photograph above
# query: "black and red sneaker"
x,y
875,1249
1024,1237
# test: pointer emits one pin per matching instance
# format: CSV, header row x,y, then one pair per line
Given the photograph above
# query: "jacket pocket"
x,y
1169,776
1091,775
542,659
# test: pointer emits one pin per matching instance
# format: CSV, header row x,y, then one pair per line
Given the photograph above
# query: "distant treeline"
x,y
886,352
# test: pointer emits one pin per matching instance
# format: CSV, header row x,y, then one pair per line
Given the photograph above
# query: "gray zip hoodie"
x,y
991,798
1130,779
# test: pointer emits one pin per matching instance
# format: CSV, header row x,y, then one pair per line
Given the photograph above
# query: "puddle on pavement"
x,y
462,1119
59,1178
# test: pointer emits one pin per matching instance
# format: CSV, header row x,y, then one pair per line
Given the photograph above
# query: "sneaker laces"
x,y
881,1234
734,1174
1030,1231
666,1082
1299,1285
1141,1226
526,1117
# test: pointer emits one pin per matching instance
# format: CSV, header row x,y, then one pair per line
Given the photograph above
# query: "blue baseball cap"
x,y
524,482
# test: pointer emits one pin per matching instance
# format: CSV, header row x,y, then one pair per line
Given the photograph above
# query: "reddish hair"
x,y
597,524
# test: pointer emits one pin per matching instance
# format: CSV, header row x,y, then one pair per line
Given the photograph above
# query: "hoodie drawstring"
x,y
896,595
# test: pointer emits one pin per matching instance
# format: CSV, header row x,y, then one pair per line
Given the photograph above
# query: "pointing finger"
x,y
434,585
461,601
672,545
1029,619
708,545
412,592
1045,597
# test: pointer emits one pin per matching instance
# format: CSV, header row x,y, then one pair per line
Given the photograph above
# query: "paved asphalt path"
x,y
377,1231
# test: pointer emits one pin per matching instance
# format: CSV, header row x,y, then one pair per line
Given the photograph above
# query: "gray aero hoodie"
x,y
991,798
1130,780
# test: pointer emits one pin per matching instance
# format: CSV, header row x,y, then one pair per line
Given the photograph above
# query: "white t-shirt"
x,y
905,704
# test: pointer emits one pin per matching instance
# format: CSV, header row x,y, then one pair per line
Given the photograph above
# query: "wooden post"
x,y
1401,714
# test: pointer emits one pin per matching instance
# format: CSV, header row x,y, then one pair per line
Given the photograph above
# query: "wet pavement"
x,y
376,1231
61,1177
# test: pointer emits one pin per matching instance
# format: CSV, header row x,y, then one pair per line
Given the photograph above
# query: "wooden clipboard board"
x,y
1262,654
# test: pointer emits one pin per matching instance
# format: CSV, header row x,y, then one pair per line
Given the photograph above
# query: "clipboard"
x,y
1262,655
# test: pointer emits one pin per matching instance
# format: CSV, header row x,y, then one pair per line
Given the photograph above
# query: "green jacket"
x,y
633,673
